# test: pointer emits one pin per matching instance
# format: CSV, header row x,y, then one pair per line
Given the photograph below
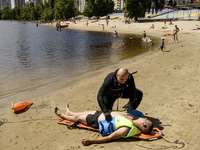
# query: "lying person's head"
x,y
145,125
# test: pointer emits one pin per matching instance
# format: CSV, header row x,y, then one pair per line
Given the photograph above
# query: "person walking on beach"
x,y
175,33
118,84
107,21
125,126
162,43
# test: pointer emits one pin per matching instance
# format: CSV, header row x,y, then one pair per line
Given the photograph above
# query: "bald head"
x,y
122,71
122,75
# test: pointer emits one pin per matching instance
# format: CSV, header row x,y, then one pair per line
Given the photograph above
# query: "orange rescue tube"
x,y
21,105
166,34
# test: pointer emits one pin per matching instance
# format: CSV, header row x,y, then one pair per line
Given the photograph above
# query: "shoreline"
x,y
169,80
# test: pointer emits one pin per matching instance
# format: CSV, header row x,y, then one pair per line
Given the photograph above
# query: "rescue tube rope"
x,y
175,141
3,121
153,146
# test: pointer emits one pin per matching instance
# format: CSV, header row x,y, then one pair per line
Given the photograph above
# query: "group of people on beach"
x,y
113,124
162,46
175,35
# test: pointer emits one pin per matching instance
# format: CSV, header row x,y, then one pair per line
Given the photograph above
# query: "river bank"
x,y
169,80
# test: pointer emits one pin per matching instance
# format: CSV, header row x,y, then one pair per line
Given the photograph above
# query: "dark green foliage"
x,y
137,8
6,14
59,9
98,8
64,9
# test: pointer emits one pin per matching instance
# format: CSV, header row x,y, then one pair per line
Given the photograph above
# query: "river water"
x,y
33,57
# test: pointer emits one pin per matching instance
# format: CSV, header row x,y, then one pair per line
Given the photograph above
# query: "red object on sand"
x,y
21,105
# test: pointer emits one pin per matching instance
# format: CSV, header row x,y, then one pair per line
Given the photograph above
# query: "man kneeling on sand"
x,y
121,125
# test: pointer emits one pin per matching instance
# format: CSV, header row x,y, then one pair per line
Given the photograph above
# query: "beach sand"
x,y
169,80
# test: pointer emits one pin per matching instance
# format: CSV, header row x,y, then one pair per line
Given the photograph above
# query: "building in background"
x,y
34,1
45,0
80,4
5,3
19,3
119,4
179,2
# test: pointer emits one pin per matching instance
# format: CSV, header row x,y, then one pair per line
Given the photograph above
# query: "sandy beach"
x,y
169,80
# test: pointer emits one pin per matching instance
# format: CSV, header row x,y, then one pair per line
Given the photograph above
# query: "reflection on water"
x,y
33,56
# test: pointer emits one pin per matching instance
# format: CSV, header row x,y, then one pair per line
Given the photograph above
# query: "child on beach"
x,y
152,43
162,43
115,33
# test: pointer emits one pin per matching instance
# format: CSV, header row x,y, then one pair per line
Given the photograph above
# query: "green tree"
x,y
59,9
52,3
88,9
17,13
64,9
98,7
157,5
31,5
33,14
70,9
5,14
25,13
48,14
0,15
39,9
137,8
46,4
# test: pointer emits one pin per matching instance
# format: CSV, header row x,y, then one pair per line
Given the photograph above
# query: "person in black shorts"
x,y
118,84
130,125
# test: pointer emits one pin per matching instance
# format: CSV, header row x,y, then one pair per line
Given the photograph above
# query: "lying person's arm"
x,y
119,133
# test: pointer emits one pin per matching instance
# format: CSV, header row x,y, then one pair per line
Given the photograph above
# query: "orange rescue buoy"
x,y
166,34
21,105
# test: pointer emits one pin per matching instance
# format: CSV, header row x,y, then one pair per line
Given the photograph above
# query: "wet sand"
x,y
169,80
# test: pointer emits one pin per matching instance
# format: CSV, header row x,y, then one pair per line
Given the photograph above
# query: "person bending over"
x,y
121,124
118,84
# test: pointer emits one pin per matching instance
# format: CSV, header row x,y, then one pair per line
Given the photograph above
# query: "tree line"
x,y
65,9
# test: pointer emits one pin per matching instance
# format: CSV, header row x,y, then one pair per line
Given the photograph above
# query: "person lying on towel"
x,y
122,124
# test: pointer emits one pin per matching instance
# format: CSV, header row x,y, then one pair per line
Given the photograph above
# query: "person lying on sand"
x,y
121,125
197,28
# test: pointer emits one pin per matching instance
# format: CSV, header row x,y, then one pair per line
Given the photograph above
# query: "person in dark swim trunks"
x,y
144,34
118,84
122,124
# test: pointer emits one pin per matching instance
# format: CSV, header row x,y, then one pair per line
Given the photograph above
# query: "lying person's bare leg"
x,y
72,116
70,113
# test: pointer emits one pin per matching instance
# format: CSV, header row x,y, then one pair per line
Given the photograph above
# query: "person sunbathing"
x,y
121,125
197,28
